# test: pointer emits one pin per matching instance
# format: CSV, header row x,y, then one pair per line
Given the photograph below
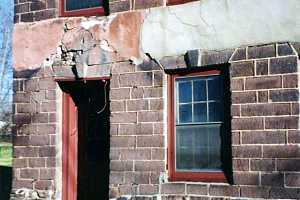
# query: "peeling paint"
x,y
93,21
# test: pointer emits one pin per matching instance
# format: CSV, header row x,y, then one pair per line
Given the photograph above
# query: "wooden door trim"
x,y
69,148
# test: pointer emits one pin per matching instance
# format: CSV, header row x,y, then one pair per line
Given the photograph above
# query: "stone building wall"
x,y
265,132
263,87
36,102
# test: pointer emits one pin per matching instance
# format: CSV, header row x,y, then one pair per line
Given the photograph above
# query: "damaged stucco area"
x,y
77,46
158,32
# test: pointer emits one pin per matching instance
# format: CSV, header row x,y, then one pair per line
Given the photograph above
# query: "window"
x,y
82,7
176,2
196,118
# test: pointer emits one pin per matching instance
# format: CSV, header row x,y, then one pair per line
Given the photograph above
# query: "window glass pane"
x,y
185,113
82,4
184,158
214,88
185,92
200,112
204,149
184,152
215,112
200,90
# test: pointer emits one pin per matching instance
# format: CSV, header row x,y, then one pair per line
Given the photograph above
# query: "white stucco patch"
x,y
219,24
94,21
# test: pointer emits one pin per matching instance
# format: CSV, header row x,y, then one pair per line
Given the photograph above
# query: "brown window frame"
x,y
176,2
185,176
82,12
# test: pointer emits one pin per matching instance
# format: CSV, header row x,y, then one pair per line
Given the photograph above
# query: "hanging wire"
x,y
105,99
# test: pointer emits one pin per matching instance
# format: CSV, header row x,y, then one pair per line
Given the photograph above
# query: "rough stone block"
x,y
157,154
292,179
257,83
137,105
240,164
150,141
44,14
262,67
262,165
148,189
255,192
124,117
288,164
47,151
157,166
284,193
284,49
136,79
122,141
223,190
118,94
116,178
119,6
263,137
39,140
247,151
283,65
37,162
281,122
243,97
266,109
290,81
117,106
239,54
281,151
244,68
284,95
272,179
140,4
29,173
294,137
150,116
247,123
173,188
137,177
197,189
47,174
27,17
153,92
246,178
237,84
264,51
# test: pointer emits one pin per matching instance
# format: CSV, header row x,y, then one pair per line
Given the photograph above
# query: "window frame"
x,y
82,12
205,176
177,2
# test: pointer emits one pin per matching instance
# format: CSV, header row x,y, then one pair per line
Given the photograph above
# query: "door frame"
x,y
70,140
69,148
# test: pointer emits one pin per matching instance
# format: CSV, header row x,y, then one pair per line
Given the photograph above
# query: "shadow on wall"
x,y
5,182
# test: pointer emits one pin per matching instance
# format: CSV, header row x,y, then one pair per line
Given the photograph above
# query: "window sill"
x,y
84,12
218,177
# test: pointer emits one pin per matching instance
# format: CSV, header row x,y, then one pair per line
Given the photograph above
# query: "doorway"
x,y
85,140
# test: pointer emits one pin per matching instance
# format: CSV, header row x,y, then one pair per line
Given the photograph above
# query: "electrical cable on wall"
x,y
105,99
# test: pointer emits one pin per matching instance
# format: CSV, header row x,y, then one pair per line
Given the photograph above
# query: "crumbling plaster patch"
x,y
80,41
218,25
